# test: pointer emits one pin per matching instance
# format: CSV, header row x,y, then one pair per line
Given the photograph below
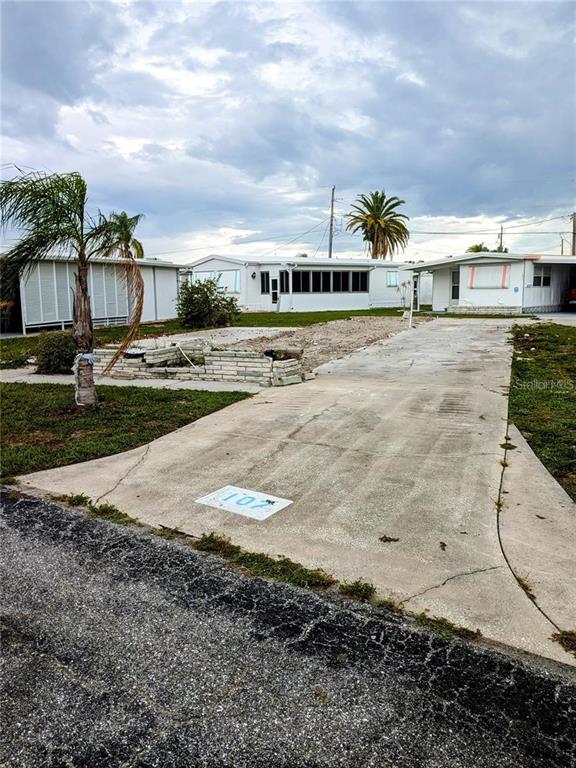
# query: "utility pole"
x,y
501,238
331,232
573,217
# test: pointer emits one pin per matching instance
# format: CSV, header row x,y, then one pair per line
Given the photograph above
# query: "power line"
x,y
321,239
217,245
483,232
282,245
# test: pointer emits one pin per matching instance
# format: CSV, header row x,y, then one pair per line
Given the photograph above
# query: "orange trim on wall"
x,y
505,269
471,278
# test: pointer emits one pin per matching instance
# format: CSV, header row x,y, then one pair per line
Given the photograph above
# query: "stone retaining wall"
x,y
206,365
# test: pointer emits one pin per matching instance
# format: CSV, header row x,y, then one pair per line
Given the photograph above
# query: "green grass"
x,y
259,564
359,590
41,428
543,396
446,628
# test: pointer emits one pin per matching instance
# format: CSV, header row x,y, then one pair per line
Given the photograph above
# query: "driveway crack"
x,y
125,475
451,578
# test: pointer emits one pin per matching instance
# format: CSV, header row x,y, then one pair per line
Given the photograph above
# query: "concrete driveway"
x,y
392,458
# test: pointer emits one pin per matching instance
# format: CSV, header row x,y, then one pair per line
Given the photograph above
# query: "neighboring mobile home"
x,y
44,296
263,284
500,282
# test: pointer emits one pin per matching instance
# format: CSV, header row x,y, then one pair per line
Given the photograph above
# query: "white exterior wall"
x,y
47,298
492,297
549,297
251,299
440,290
166,292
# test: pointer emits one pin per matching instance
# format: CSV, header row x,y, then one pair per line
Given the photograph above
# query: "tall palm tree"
x,y
49,212
375,215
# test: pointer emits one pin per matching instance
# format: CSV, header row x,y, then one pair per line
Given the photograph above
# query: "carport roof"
x,y
490,257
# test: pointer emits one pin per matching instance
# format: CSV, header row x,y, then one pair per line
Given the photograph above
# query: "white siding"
x,y
546,298
31,294
166,293
64,281
481,285
149,310
440,289
96,288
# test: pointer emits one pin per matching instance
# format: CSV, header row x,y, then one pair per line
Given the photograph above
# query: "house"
x,y
43,297
264,284
500,282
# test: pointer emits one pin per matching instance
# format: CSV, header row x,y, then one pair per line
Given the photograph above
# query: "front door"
x,y
415,298
454,286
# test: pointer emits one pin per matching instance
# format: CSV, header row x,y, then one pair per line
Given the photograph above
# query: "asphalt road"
x,y
121,649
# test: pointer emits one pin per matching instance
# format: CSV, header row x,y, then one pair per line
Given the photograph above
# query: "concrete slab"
x,y
538,530
564,318
398,440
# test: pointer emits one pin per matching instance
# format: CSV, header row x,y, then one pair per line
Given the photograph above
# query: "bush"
x,y
204,305
55,352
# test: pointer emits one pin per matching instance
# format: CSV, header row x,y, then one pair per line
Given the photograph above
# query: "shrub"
x,y
203,305
55,352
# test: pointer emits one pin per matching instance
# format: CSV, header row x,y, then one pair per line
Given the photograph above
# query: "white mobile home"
x,y
44,295
308,284
500,282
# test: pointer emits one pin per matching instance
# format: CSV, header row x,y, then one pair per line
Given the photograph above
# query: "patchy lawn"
x,y
15,352
543,396
41,428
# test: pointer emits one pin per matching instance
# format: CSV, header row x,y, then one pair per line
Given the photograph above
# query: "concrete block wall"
x,y
216,365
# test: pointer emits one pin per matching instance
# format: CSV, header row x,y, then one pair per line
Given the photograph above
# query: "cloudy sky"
x,y
227,123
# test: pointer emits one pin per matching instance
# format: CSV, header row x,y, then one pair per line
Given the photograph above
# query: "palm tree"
x,y
381,225
477,248
49,212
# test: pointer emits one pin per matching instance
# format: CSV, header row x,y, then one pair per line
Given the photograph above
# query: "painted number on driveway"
x,y
241,501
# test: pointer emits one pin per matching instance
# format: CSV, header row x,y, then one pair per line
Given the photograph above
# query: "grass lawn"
x,y
543,396
41,428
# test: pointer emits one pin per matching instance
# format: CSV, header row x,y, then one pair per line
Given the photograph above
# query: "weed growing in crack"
x,y
112,514
359,590
390,604
259,564
446,628
9,480
74,499
567,639
527,587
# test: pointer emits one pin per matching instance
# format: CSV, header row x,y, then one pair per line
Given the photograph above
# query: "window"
x,y
542,275
392,279
316,282
300,281
284,281
359,282
264,282
326,282
345,282
336,282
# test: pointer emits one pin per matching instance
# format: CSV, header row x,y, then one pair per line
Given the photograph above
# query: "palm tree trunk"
x,y
375,244
83,336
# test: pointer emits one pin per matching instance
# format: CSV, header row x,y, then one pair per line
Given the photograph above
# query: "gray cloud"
x,y
240,115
